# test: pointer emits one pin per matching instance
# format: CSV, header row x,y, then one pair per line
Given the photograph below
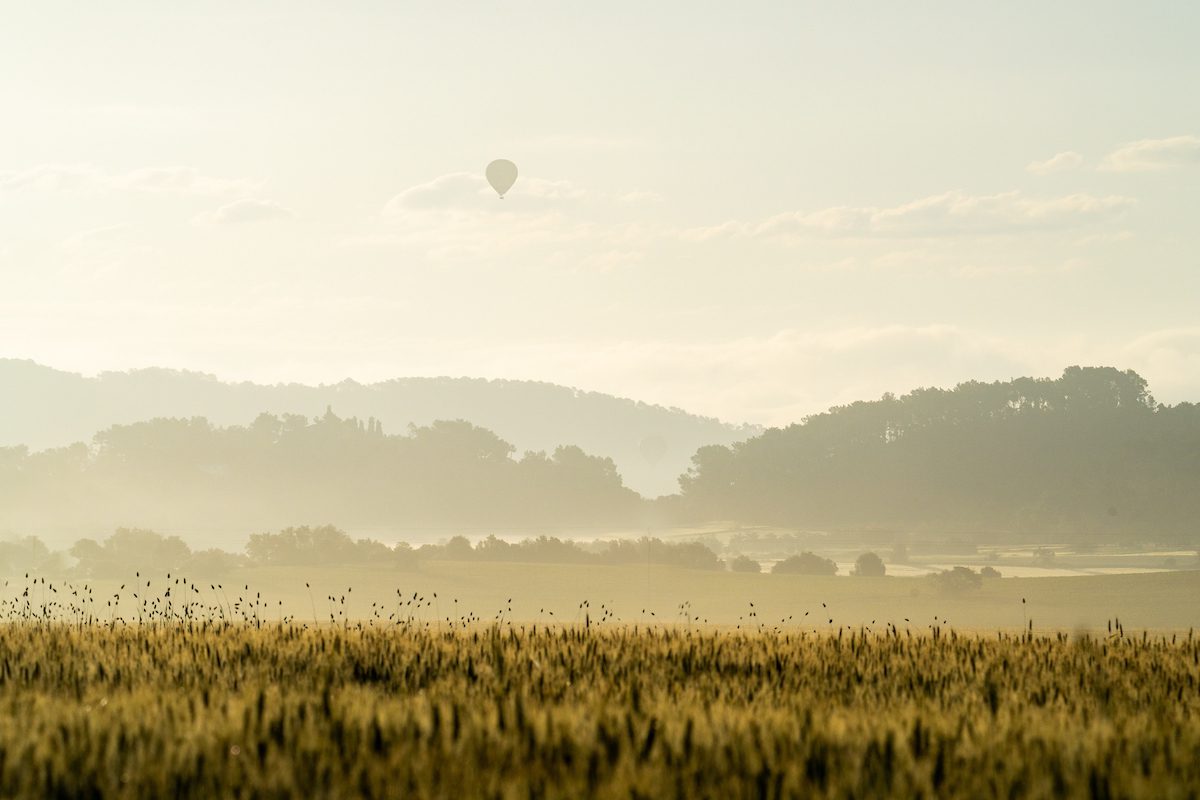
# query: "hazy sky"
x,y
746,210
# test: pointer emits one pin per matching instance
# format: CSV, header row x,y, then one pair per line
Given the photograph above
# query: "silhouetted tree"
x,y
869,565
1087,456
805,564
744,564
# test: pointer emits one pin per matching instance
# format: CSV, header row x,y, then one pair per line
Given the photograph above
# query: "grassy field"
x,y
447,591
196,710
1164,601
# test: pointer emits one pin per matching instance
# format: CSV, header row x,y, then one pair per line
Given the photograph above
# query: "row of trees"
x,y
173,473
1089,455
135,550
43,407
140,551
328,545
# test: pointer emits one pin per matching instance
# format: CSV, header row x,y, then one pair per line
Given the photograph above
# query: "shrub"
x,y
744,564
405,557
806,564
130,550
307,546
958,580
213,563
302,546
869,565
28,554
551,550
989,572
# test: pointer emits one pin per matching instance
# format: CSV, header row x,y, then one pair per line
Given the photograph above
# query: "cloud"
x,y
1060,162
51,178
85,178
85,240
552,190
582,142
458,217
949,214
182,180
247,211
454,190
640,196
1147,155
467,190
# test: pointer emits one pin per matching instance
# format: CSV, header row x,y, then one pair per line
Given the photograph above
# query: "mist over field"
x,y
599,400
974,495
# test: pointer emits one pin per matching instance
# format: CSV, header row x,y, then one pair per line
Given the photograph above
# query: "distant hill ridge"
x,y
42,407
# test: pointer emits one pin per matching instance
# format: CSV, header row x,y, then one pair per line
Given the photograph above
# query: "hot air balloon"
x,y
501,174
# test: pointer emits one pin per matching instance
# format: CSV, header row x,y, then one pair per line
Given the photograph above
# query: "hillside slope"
x,y
651,445
1086,456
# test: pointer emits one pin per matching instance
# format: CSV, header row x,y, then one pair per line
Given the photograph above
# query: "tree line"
x,y
130,550
1089,455
134,550
280,470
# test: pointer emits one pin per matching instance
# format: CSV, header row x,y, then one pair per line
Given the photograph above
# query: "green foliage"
x,y
806,564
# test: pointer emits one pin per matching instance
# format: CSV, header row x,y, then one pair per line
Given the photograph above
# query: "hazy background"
x,y
751,214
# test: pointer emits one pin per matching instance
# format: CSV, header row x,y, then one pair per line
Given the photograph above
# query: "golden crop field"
x,y
202,708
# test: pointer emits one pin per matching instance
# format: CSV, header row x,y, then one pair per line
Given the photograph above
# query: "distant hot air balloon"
x,y
653,448
501,174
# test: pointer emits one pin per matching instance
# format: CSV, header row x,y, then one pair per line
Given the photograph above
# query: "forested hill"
x,y
216,485
41,407
1089,455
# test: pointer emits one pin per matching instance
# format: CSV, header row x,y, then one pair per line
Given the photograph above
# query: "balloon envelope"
x,y
501,174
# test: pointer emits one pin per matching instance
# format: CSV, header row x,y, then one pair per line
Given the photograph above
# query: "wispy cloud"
x,y
86,178
247,210
459,217
468,190
445,191
583,142
95,236
1060,162
753,378
949,214
1147,155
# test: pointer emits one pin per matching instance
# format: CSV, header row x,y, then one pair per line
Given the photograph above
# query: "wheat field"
x,y
203,708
